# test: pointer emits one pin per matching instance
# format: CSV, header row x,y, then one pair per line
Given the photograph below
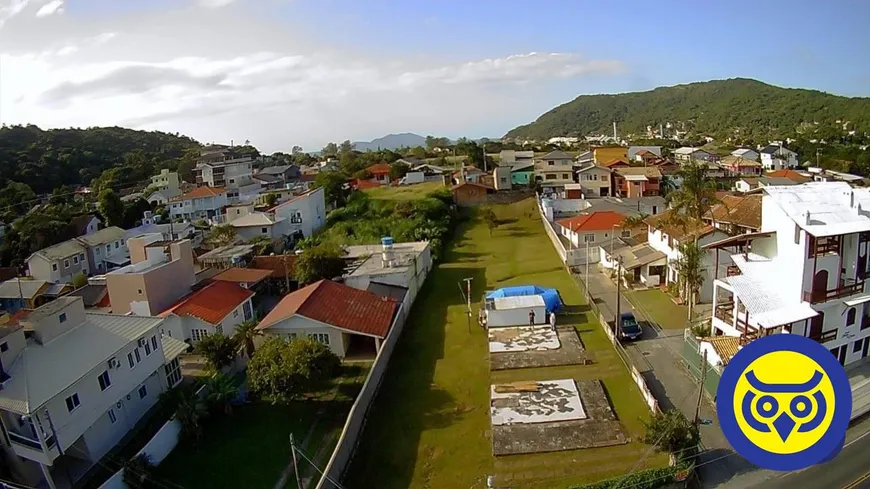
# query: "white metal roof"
x,y
635,178
43,371
172,347
518,302
766,304
824,208
254,219
29,288
103,236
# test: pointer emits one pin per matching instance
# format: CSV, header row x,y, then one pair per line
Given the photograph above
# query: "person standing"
x,y
531,317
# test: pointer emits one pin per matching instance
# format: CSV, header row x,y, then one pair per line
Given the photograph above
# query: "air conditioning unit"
x,y
114,363
141,342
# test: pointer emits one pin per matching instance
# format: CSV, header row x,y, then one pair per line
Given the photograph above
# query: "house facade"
x,y
523,173
380,173
595,181
77,385
216,308
605,154
59,263
501,177
740,166
555,169
199,203
259,224
636,182
806,272
746,154
777,157
224,167
689,154
106,249
303,214
595,228
166,180
470,193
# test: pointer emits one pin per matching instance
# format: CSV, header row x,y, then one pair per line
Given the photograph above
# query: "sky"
x,y
305,72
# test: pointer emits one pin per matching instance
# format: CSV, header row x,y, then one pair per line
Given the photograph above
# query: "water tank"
x,y
387,242
387,255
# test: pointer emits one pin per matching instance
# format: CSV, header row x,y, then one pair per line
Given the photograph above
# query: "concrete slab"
x,y
523,338
551,401
600,428
569,352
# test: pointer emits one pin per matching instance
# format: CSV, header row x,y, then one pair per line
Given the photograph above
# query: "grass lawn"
x,y
430,426
660,308
251,447
403,192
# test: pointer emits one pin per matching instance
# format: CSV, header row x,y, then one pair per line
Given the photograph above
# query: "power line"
x,y
302,453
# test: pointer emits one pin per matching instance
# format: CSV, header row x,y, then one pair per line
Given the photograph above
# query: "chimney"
x,y
387,255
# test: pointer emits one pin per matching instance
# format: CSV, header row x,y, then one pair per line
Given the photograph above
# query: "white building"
x,y
106,249
222,166
745,153
58,263
257,224
166,180
77,383
776,157
634,150
216,308
306,213
199,203
162,197
805,272
688,154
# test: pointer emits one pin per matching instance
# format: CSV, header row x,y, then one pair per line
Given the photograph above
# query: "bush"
x,y
79,280
282,370
219,350
701,330
671,432
139,472
644,479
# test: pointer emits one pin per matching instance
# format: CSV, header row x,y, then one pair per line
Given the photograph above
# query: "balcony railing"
x,y
30,442
725,312
842,291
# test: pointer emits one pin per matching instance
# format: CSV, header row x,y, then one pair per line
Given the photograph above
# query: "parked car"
x,y
628,327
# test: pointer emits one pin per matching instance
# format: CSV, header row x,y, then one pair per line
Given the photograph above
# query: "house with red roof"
x,y
199,203
380,173
214,309
347,320
594,228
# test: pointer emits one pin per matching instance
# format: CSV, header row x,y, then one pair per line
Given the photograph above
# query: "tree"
x,y
111,208
671,432
323,261
398,170
222,391
270,199
245,334
262,244
333,184
295,150
690,270
183,403
282,370
418,152
221,235
491,220
218,350
79,280
346,147
331,149
15,199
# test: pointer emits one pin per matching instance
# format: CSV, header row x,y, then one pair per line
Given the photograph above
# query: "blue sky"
x,y
284,72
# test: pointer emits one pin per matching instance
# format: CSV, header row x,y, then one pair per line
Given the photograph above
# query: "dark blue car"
x,y
628,327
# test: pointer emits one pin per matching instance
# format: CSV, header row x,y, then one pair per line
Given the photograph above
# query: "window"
x,y
108,248
75,260
236,313
589,238
550,163
54,267
104,380
797,234
143,392
117,244
296,218
198,334
82,257
147,348
66,263
4,347
264,230
62,317
112,417
246,311
72,402
137,355
626,233
850,316
98,251
856,346
173,372
320,337
154,342
130,359
550,177
565,176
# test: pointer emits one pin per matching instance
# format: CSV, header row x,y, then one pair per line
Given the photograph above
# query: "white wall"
x,y
302,327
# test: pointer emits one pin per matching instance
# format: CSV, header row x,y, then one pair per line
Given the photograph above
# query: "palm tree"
x,y
221,393
245,333
188,411
633,221
690,269
261,244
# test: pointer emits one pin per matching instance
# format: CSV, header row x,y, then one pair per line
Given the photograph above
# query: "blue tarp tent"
x,y
550,296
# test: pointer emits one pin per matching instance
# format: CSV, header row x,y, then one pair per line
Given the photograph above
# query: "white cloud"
x,y
11,8
105,37
214,3
50,8
66,50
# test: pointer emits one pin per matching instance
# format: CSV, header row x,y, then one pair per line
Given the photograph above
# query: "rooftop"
x,y
200,192
594,221
664,223
274,170
824,208
280,265
44,371
379,168
739,161
368,259
103,236
29,288
639,255
766,305
254,219
61,250
646,171
337,305
791,175
775,181
741,210
93,295
557,155
726,346
243,275
211,303
225,253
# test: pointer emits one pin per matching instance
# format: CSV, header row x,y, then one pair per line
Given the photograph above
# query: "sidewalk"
x,y
658,356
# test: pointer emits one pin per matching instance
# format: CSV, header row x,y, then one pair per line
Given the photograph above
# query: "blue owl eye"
x,y
767,406
800,406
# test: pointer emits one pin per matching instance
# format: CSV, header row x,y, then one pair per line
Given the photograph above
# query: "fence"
x,y
572,257
157,449
694,362
356,419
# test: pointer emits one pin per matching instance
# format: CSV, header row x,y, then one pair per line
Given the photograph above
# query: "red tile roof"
x,y
279,265
337,305
200,192
211,303
790,174
616,161
364,184
596,221
379,168
242,275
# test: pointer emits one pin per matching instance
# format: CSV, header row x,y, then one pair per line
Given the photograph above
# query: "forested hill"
x,y
716,108
49,159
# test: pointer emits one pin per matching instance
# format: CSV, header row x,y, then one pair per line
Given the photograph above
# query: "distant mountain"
x,y
714,107
391,141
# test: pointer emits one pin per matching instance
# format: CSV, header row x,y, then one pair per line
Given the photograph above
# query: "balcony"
x,y
725,312
732,270
844,290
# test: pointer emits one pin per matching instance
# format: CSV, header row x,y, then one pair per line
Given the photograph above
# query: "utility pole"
x,y
818,150
295,465
286,274
587,271
701,390
468,300
618,284
483,145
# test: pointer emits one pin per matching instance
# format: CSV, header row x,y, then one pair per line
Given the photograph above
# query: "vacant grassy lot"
x,y
660,308
251,447
403,192
430,426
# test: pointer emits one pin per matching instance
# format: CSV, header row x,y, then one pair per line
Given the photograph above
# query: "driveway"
x,y
658,356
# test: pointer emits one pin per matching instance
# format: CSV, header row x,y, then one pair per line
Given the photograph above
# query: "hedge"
x,y
645,479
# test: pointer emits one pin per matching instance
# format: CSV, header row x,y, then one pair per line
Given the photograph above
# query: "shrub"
x,y
282,370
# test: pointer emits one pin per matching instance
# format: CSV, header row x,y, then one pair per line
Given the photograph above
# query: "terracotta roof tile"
x,y
615,161
663,222
242,275
211,303
790,174
337,305
726,346
200,192
595,221
364,184
279,265
741,210
379,168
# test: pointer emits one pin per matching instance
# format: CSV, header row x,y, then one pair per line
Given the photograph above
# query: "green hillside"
x,y
716,107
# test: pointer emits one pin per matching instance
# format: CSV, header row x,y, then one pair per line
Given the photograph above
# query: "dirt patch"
x,y
570,352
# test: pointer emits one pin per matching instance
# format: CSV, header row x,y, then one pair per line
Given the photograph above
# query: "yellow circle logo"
x,y
784,402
